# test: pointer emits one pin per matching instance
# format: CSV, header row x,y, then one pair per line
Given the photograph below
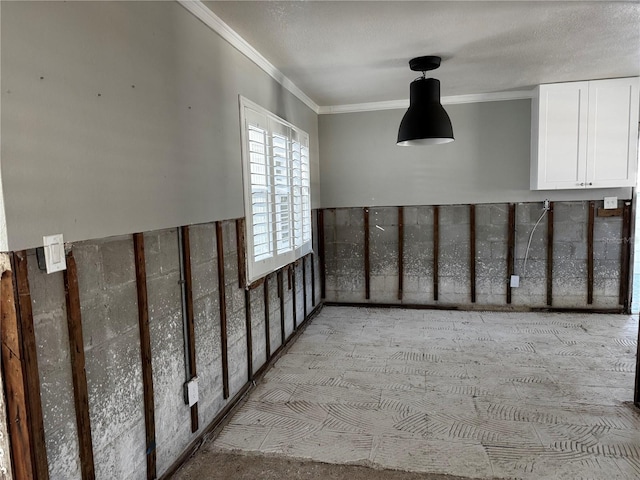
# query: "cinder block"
x,y
384,216
341,217
169,254
425,216
164,296
90,268
202,243
454,215
410,216
118,262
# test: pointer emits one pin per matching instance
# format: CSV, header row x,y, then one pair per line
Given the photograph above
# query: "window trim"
x,y
258,269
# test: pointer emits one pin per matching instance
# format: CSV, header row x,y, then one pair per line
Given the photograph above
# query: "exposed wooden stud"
x,y
242,252
78,372
191,335
280,281
625,256
247,316
590,228
29,356
15,382
304,285
293,296
145,354
511,245
266,317
367,266
313,281
550,255
400,251
223,311
321,259
436,248
472,251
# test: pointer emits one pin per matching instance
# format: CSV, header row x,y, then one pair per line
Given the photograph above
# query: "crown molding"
x,y
210,19
403,104
206,16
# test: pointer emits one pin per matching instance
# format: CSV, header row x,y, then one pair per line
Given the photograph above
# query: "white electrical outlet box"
x,y
54,253
192,391
610,202
515,281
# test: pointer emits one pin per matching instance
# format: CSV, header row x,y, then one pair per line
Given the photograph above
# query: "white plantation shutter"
x,y
277,190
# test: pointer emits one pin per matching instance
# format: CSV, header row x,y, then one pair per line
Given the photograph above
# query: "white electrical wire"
x,y
526,253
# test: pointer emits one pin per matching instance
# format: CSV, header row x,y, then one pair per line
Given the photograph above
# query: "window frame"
x,y
294,222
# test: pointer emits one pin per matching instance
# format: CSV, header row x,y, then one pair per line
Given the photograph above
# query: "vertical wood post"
x,y
436,248
223,311
304,285
550,255
321,259
247,312
280,281
266,317
625,256
145,354
400,251
14,376
30,365
367,267
191,335
472,251
590,228
242,252
511,244
292,269
78,372
313,280
241,248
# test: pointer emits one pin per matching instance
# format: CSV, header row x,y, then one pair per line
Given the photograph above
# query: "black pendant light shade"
x,y
426,122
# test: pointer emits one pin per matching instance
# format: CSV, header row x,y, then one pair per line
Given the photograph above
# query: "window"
x,y
277,190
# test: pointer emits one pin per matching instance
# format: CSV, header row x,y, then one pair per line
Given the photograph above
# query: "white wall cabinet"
x,y
585,134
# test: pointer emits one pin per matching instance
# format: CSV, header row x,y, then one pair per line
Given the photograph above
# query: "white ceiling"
x,y
352,52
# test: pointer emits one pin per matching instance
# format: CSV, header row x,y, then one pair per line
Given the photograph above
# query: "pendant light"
x,y
426,121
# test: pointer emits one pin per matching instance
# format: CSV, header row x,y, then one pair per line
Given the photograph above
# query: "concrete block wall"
x,y
162,259
344,256
108,299
56,387
492,223
532,291
109,307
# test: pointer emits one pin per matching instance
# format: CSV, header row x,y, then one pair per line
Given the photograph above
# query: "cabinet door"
x,y
613,133
562,136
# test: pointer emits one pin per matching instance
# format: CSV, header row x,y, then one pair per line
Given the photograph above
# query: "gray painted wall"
x,y
487,163
87,154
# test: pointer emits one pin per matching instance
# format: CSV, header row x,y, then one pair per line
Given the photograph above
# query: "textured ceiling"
x,y
346,52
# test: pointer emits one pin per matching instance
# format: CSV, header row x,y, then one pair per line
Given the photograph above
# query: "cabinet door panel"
x,y
612,144
562,135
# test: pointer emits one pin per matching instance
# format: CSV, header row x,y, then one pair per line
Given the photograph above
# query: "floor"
x,y
474,394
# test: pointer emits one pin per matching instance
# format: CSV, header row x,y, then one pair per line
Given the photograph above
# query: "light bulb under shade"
x,y
426,122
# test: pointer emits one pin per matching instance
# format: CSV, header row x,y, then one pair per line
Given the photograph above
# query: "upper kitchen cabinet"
x,y
585,134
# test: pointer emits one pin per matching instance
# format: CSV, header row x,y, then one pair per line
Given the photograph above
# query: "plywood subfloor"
x,y
474,394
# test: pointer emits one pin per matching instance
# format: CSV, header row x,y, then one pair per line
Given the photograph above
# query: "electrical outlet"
x,y
515,281
546,205
610,203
